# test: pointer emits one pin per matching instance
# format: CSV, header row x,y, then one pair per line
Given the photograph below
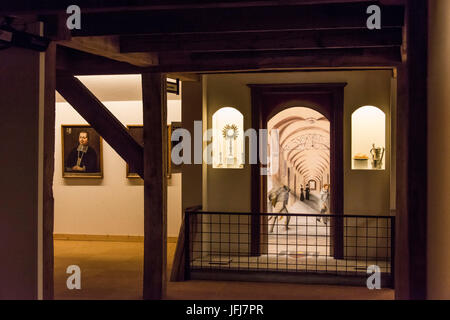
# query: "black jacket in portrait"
x,y
88,160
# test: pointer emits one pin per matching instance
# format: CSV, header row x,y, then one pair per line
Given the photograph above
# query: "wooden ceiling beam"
x,y
56,6
268,18
272,40
193,77
81,63
278,60
109,47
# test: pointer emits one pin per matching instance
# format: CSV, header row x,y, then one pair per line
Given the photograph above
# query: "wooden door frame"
x,y
310,95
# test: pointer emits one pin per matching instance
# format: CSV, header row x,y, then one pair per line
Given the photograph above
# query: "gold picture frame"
x,y
137,132
172,168
169,151
93,168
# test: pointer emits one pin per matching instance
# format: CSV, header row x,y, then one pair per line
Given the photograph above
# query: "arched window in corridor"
x,y
303,139
304,149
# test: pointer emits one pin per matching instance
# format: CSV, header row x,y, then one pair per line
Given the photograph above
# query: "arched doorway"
x,y
326,99
299,158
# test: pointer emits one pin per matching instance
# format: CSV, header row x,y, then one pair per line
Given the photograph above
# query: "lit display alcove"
x,y
228,138
368,139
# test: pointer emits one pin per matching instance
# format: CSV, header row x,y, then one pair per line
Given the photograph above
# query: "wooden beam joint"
x,y
109,47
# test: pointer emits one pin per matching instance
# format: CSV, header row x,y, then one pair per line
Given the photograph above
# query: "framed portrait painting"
x,y
137,132
82,154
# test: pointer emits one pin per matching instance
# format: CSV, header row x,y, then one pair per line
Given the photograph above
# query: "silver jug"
x,y
377,156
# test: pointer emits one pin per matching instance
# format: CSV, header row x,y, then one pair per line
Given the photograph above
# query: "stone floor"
x,y
305,234
113,270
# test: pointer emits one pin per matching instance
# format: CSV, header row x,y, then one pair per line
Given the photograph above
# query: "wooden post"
x,y
155,185
417,146
411,203
49,168
402,230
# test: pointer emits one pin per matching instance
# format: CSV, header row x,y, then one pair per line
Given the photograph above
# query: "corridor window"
x,y
368,139
228,138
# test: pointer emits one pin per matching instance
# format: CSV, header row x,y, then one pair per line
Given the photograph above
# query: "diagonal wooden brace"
x,y
102,120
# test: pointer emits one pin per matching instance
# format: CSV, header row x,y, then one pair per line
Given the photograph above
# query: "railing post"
x,y
187,251
337,235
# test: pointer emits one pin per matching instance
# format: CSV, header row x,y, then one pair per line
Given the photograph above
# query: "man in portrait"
x,y
82,159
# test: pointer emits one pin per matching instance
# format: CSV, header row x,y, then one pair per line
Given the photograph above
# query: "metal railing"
x,y
217,242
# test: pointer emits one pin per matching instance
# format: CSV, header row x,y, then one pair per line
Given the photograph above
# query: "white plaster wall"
x,y
113,205
366,192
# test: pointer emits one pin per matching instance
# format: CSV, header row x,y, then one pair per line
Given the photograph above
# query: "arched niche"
x,y
228,138
368,139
